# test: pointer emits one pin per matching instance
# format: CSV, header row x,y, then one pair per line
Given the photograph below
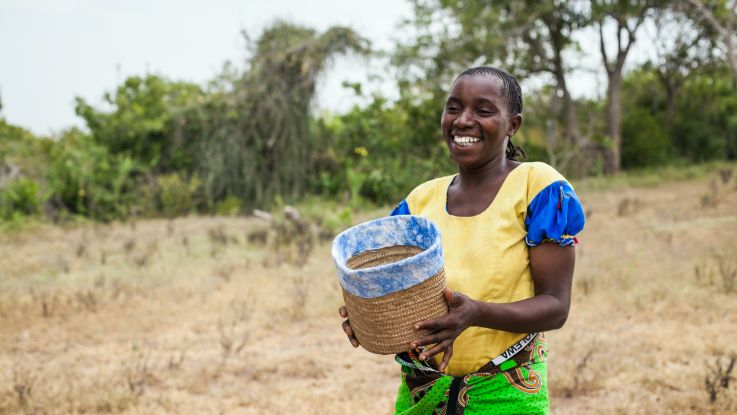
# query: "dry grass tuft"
x,y
583,380
628,206
299,291
232,330
719,376
137,372
23,382
719,188
718,271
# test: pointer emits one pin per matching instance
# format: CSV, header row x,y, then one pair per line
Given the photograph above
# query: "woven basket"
x,y
384,324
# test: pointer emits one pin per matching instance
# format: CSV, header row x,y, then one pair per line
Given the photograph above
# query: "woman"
x,y
508,237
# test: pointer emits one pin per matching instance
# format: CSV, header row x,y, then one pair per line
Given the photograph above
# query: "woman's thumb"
x,y
448,293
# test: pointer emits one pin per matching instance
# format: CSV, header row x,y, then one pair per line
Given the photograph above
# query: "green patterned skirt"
x,y
516,386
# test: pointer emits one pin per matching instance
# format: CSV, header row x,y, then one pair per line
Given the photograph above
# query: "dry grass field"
x,y
197,315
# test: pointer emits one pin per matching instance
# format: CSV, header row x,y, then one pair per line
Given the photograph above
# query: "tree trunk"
x,y
571,130
671,92
732,57
613,156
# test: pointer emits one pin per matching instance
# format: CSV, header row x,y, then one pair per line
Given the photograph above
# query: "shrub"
x,y
645,141
21,196
229,206
87,180
177,196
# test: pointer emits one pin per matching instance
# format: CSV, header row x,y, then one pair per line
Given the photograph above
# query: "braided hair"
x,y
512,91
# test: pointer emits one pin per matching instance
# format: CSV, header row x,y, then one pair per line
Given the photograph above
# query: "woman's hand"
x,y
443,331
347,326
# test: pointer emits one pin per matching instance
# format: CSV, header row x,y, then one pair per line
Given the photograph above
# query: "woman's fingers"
x,y
347,328
350,333
446,358
434,325
442,346
433,338
427,325
353,340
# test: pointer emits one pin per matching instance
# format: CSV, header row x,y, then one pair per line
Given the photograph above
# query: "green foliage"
x,y
140,125
257,144
177,196
21,197
382,151
23,160
645,141
229,206
706,124
645,136
22,153
700,124
86,179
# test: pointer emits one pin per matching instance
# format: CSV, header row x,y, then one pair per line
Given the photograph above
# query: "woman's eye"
x,y
452,109
485,112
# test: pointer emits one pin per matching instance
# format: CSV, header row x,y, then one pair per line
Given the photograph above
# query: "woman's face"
x,y
476,121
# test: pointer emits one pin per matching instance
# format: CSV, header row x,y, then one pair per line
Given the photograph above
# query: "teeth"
x,y
466,140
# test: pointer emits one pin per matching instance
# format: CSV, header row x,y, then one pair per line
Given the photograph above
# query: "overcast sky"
x,y
54,50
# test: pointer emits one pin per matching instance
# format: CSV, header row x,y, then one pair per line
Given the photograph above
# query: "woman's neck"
x,y
493,171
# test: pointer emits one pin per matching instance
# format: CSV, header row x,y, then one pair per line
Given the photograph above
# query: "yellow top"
x,y
486,256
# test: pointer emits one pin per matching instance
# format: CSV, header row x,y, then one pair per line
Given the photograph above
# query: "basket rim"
x,y
425,256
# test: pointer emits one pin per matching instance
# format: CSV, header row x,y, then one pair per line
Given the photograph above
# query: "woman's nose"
x,y
464,119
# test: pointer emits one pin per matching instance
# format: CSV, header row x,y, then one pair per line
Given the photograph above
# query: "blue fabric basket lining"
x,y
382,233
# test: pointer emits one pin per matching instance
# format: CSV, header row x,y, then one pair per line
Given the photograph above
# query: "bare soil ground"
x,y
196,315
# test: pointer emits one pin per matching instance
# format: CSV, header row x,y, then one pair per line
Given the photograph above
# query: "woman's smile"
x,y
475,121
465,141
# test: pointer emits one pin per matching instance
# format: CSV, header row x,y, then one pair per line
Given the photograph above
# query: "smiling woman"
x,y
508,235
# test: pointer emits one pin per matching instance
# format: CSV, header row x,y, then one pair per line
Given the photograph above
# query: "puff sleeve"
x,y
554,215
401,209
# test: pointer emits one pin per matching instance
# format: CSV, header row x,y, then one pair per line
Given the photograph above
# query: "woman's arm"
x,y
552,273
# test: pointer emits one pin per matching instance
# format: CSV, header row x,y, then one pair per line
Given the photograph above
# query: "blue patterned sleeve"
x,y
555,215
401,209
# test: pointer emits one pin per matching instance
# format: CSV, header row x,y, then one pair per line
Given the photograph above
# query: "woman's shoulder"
x,y
432,184
428,191
539,170
539,176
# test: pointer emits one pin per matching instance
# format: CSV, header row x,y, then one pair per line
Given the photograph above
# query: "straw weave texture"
x,y
385,325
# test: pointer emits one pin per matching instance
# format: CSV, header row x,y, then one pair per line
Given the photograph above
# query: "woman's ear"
x,y
515,122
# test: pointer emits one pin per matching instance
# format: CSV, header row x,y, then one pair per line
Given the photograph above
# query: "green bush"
x,y
177,196
21,197
229,206
705,126
87,180
645,141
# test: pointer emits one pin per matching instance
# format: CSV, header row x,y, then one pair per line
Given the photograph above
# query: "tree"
x,y
720,16
140,122
256,144
627,17
547,38
528,38
680,48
